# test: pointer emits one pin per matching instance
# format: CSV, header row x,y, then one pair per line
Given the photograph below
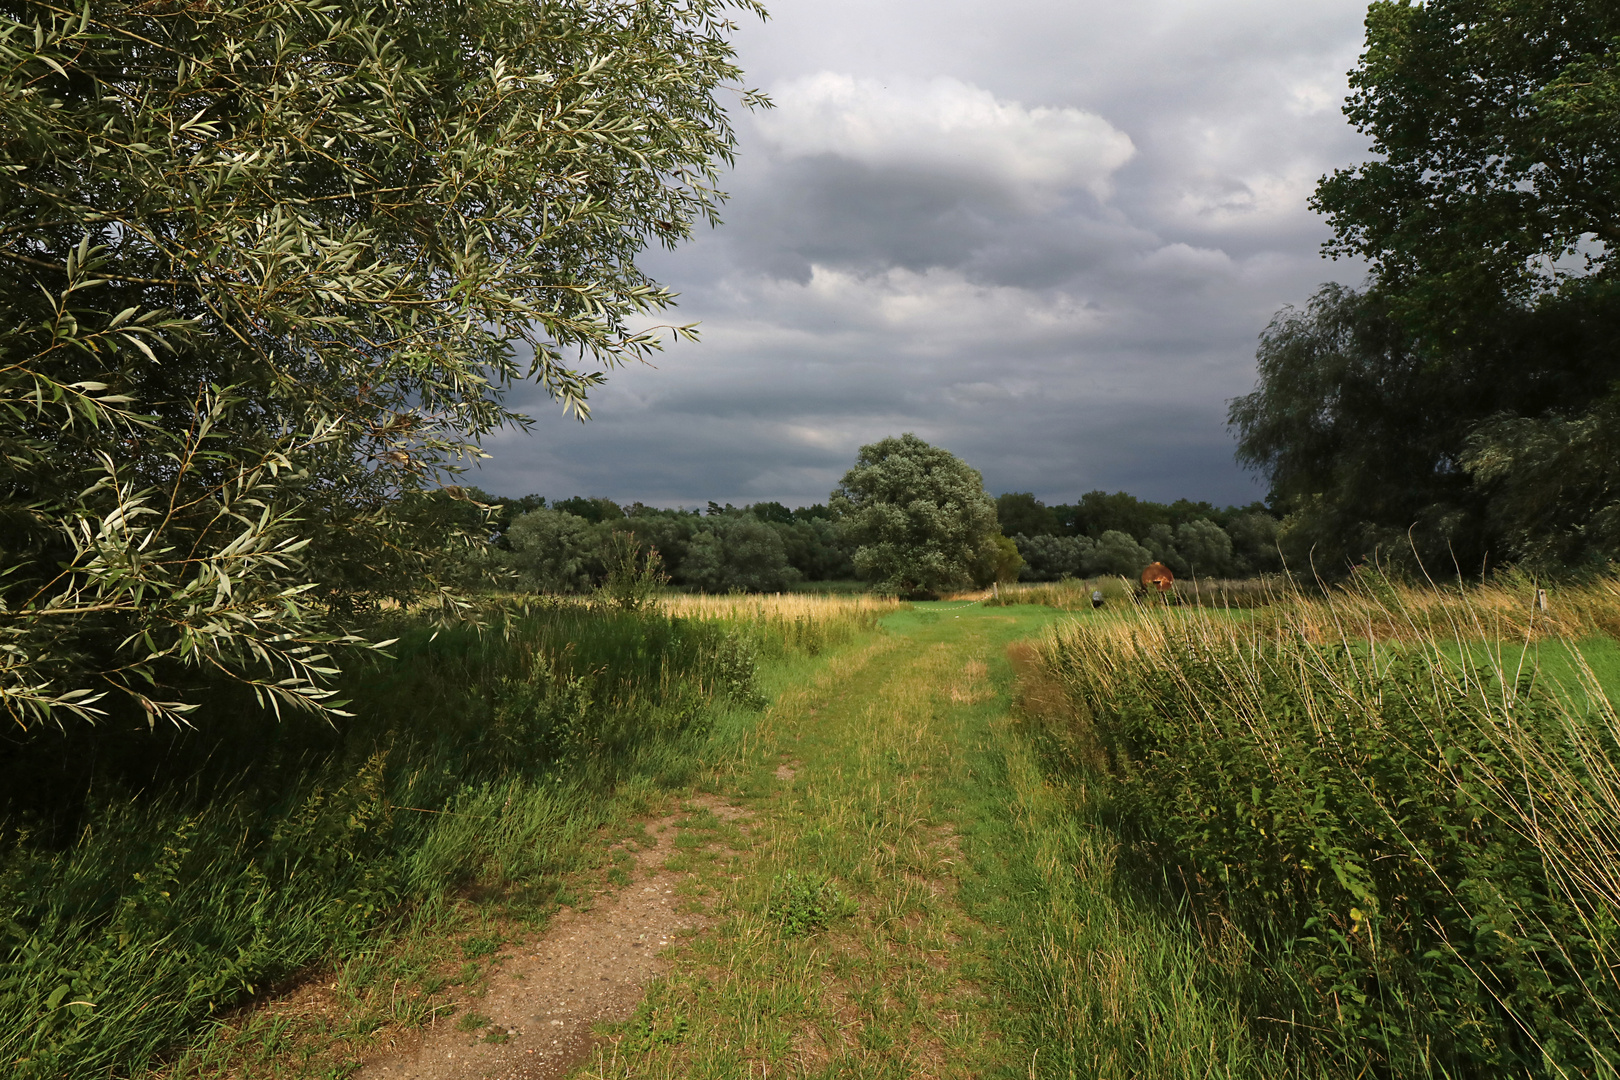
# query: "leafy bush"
x,y
554,551
1116,554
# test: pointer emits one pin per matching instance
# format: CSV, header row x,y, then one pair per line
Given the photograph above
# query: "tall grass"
x,y
206,867
1405,834
803,622
1074,594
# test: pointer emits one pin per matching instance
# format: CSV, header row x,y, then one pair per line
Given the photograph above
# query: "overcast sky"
x,y
1044,234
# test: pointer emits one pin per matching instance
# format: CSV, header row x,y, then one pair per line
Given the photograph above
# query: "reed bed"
x,y
1414,834
1074,594
1510,607
803,622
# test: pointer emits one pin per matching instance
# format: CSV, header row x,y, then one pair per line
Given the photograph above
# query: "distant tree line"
x,y
1120,534
565,545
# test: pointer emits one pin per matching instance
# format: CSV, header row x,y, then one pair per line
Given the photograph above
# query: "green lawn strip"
x,y
839,951
988,933
1568,669
984,933
431,965
1095,983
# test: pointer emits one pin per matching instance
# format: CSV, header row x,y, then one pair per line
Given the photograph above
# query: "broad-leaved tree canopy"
x,y
267,271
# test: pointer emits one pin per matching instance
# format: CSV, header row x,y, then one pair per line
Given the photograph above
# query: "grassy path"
x,y
900,903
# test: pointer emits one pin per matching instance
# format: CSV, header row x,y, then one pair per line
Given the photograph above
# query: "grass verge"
x,y
1395,834
191,873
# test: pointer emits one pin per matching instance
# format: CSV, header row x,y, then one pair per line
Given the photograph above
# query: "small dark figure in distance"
x,y
1096,598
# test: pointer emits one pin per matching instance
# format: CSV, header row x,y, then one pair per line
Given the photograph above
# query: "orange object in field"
x,y
1159,575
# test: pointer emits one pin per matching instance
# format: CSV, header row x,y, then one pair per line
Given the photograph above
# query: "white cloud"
x,y
1185,262
948,125
937,310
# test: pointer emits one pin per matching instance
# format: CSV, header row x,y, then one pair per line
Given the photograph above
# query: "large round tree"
x,y
918,517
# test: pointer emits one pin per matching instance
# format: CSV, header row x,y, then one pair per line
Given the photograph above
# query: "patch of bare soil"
x,y
589,967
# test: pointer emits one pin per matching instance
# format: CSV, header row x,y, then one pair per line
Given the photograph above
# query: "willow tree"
x,y
267,272
919,519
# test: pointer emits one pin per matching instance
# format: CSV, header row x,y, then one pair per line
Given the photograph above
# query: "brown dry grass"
x,y
776,605
971,684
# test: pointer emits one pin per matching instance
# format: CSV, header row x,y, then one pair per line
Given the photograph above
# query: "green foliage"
x,y
669,531
1553,486
634,577
206,865
553,551
503,510
772,513
1358,437
804,903
1022,514
1198,548
1099,511
479,946
1053,558
472,1020
1495,154
1413,842
1000,563
1254,543
815,548
1190,537
1423,421
654,1027
737,552
917,515
265,267
594,511
1118,555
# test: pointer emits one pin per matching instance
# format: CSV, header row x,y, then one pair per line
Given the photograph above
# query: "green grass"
x,y
981,930
211,867
1569,668
949,883
1404,849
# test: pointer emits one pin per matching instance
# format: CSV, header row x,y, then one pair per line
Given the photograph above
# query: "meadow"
x,y
1362,831
152,883
1389,814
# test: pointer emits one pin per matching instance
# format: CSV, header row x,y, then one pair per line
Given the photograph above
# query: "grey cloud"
x,y
828,210
1060,332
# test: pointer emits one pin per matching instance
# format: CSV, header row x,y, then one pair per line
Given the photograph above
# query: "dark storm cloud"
x,y
1044,236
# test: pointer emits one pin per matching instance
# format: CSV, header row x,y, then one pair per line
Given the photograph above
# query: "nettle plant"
x,y
266,272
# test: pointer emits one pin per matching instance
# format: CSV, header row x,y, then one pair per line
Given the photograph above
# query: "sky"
x,y
1043,234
